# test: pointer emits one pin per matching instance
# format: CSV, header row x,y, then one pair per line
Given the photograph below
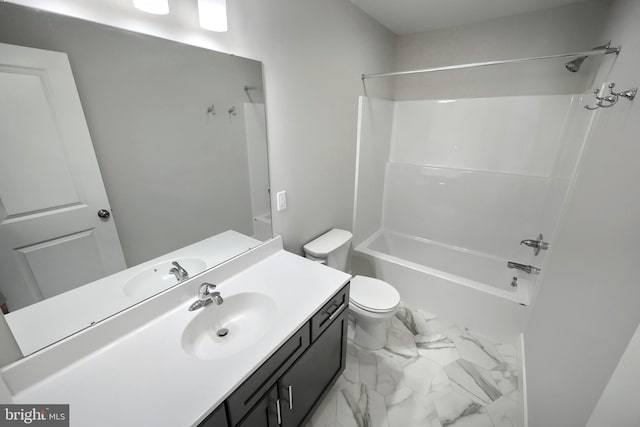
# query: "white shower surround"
x,y
445,191
436,276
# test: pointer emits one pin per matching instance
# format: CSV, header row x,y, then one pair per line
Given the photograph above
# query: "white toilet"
x,y
372,301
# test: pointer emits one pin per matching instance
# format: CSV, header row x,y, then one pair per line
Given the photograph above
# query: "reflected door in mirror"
x,y
51,237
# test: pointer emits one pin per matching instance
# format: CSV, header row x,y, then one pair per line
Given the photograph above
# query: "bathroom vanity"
x,y
160,364
285,389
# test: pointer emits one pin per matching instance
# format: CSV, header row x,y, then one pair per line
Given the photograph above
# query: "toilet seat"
x,y
373,295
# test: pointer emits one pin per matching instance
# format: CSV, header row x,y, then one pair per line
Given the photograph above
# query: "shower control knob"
x,y
104,214
537,245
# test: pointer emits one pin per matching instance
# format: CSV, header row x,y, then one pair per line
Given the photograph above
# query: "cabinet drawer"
x,y
259,383
329,312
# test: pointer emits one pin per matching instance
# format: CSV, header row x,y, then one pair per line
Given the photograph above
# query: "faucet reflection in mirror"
x,y
180,273
129,124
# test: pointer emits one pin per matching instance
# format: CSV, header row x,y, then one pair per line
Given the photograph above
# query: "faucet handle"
x,y
215,296
209,286
537,245
206,289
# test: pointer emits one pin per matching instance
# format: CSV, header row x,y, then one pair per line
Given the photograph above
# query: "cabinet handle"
x,y
338,311
278,411
290,397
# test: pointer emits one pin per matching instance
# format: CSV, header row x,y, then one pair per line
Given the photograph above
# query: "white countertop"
x,y
38,325
145,377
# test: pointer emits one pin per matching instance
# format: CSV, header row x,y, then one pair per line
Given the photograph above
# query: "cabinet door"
x,y
217,418
264,413
311,376
265,377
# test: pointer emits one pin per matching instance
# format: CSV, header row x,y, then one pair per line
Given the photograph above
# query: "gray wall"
x,y
314,53
173,174
587,308
564,29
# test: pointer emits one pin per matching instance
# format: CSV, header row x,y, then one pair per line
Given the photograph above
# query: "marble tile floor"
x,y
431,373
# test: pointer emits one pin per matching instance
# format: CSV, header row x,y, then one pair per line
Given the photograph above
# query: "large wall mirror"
x,y
127,164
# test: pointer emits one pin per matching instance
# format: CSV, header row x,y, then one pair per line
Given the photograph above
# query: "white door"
x,y
51,237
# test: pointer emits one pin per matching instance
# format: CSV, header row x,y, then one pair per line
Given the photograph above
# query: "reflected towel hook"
x,y
613,97
232,111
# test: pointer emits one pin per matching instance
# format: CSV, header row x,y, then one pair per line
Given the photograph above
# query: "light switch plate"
x,y
281,200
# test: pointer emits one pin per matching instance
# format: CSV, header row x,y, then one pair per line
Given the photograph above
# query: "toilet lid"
x,y
373,294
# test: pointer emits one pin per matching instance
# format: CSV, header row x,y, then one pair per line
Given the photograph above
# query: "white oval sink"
x,y
158,278
245,317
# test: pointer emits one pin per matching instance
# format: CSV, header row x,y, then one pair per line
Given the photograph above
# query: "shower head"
x,y
574,65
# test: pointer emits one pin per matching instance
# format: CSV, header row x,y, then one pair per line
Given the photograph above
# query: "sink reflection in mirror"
x,y
220,331
160,277
138,169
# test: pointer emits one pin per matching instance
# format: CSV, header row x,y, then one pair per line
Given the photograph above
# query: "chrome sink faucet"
x,y
206,294
180,273
526,268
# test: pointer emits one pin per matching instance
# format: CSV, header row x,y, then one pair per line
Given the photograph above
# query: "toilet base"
x,y
370,333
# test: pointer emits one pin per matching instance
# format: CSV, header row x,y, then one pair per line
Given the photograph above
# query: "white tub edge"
x,y
363,247
468,306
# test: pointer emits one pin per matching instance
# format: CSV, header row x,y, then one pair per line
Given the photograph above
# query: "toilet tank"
x,y
332,248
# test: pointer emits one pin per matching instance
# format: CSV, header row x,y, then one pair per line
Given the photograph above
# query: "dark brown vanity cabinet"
x,y
287,387
257,386
217,418
306,382
264,414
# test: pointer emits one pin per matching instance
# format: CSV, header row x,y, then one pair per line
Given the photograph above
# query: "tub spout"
x,y
530,269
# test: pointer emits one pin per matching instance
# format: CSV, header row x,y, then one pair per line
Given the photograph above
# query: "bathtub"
x,y
470,288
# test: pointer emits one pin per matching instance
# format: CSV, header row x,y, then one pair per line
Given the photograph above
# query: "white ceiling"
x,y
416,16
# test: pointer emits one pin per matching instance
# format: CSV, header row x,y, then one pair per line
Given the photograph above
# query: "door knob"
x,y
104,214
